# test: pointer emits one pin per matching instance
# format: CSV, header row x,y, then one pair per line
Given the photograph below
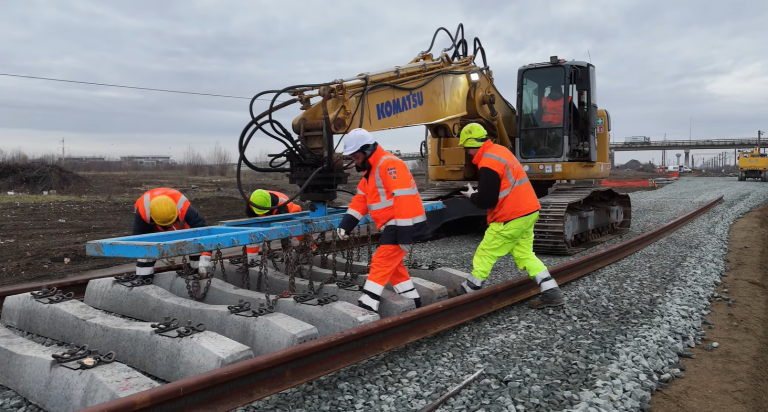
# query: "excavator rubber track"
x,y
573,219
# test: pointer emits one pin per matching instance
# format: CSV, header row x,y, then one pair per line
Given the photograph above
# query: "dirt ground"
x,y
734,376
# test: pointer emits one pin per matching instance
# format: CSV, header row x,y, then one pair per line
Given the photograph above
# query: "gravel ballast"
x,y
619,339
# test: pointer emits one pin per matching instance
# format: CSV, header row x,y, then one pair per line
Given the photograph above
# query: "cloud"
x,y
658,63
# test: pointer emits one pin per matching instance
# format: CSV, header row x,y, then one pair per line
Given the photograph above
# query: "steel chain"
x,y
265,250
290,264
221,263
334,235
323,255
245,268
209,276
358,246
307,242
187,278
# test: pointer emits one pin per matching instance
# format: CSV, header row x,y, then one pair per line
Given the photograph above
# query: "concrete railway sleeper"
x,y
253,341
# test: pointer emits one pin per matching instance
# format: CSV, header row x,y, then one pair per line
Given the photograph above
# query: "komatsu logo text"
x,y
399,105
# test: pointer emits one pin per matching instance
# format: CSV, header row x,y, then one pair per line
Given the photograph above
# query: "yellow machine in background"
x,y
445,92
753,165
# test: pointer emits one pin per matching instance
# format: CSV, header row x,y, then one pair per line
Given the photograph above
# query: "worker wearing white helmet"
x,y
388,193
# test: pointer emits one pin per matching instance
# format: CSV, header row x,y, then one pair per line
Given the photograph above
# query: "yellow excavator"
x,y
445,92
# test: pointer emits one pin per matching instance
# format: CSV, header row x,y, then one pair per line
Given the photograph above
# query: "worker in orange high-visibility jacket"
x,y
389,194
163,209
552,107
268,199
513,209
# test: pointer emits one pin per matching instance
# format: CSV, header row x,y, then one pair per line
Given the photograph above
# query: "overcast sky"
x,y
658,64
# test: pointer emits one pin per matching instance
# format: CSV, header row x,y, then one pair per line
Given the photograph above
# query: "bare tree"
x,y
17,156
194,161
220,159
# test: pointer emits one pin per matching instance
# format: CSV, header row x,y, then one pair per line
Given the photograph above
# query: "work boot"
x,y
470,285
550,297
417,302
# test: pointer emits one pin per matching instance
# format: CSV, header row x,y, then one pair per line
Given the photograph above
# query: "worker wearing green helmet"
x,y
513,209
268,199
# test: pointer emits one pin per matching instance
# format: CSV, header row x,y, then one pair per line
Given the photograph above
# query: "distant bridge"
x,y
738,143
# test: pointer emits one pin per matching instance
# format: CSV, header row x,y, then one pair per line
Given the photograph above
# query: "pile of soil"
x,y
38,177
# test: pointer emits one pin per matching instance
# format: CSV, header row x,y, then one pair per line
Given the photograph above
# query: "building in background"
x,y
147,160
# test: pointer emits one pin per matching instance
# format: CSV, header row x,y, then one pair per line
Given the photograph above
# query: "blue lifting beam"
x,y
228,234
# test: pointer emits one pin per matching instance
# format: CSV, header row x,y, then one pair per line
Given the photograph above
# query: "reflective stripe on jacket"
x,y
389,194
516,195
182,205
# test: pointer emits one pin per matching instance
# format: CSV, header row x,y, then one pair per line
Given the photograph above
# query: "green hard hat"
x,y
472,135
262,198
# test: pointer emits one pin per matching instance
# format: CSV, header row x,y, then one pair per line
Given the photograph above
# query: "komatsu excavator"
x,y
444,93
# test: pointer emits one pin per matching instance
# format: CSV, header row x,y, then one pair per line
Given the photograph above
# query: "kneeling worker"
x,y
161,210
268,199
513,209
388,192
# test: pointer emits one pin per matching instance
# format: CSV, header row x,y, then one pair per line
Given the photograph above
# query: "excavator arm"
x,y
442,94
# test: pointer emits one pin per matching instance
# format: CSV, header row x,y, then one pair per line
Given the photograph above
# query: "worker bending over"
x,y
388,192
163,209
268,199
513,209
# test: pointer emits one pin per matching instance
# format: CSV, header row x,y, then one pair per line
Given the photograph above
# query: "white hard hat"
x,y
356,139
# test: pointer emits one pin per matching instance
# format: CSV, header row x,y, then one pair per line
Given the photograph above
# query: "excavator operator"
x,y
388,192
513,209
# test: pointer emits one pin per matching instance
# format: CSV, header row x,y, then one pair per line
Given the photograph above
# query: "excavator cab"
x,y
557,108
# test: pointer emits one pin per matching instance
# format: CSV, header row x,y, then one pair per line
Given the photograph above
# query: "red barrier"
x,y
625,183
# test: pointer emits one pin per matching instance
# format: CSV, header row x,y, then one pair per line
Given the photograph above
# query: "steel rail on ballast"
x,y
235,385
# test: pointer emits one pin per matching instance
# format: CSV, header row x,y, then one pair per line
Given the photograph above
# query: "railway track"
x,y
228,387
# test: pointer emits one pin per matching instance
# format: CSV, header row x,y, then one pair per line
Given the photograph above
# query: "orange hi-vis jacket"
x,y
516,195
553,111
281,198
182,205
389,194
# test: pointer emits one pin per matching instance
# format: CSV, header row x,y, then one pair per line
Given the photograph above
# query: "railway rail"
x,y
238,384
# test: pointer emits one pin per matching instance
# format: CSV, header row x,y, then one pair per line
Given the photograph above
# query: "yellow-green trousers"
x,y
514,237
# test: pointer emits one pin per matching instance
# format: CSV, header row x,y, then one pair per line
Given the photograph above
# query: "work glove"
x,y
205,267
406,248
469,191
342,234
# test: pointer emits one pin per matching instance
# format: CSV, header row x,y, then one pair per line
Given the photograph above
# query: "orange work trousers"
x,y
387,266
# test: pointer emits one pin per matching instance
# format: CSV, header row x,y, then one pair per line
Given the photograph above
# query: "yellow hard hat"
x,y
163,211
262,198
472,135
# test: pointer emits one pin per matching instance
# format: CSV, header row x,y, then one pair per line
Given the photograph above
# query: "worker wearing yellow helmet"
x,y
272,203
163,209
513,209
